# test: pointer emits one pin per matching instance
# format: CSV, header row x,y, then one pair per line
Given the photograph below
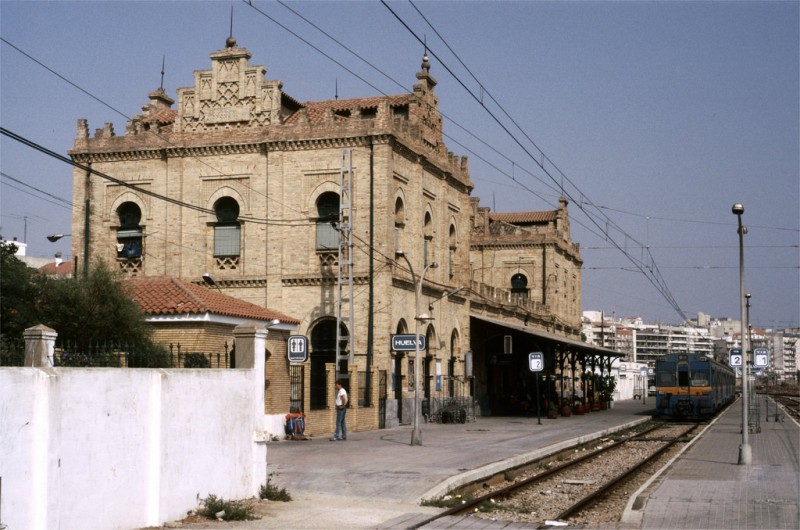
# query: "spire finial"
x,y
425,64
230,42
163,59
336,94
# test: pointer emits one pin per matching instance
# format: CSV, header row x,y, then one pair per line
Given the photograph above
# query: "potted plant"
x,y
552,411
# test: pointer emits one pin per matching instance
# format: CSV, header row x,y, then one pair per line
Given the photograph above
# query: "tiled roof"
x,y
163,295
162,117
57,269
316,109
524,217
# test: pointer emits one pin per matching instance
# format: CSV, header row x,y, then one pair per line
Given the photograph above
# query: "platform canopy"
x,y
552,340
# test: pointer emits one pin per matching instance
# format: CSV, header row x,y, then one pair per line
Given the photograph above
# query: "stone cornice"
x,y
316,281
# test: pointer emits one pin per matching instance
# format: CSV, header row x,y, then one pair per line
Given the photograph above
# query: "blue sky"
x,y
654,118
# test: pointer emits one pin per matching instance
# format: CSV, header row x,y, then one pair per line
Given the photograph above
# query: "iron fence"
x,y
109,355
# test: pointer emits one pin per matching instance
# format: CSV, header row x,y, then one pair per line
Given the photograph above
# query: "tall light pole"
x,y
416,433
745,452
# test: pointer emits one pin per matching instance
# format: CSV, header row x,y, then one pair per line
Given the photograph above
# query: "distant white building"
x,y
641,342
711,336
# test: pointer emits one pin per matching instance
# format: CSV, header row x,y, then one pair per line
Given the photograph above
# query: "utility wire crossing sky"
x,y
652,118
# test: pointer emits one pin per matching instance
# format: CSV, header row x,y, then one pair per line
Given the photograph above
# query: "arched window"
x,y
451,364
227,231
428,241
451,261
129,234
519,285
327,217
399,224
323,351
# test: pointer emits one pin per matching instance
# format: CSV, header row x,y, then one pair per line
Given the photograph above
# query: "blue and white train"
x,y
691,386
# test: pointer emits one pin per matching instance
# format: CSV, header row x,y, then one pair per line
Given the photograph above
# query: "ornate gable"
x,y
425,113
231,95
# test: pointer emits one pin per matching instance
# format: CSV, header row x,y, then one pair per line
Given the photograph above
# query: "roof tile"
x,y
164,295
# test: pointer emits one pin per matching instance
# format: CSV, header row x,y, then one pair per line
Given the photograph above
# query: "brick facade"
x,y
235,138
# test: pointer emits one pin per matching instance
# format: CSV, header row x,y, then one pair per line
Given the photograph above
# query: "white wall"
x,y
124,448
627,379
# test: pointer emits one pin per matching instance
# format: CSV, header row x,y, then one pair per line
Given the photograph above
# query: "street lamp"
x,y
416,434
209,280
55,237
745,452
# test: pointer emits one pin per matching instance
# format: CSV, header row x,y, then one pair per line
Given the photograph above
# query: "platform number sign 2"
x,y
536,361
735,357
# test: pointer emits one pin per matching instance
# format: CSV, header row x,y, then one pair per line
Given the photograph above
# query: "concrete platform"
x,y
706,488
376,479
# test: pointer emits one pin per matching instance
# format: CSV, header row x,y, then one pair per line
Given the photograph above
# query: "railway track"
x,y
789,402
568,488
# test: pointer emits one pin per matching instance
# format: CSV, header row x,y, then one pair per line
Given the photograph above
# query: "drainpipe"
x,y
371,305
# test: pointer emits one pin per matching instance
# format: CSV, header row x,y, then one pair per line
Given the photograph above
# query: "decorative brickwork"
x,y
236,136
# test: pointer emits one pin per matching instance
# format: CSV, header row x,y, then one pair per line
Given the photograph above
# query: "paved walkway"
x,y
377,479
706,488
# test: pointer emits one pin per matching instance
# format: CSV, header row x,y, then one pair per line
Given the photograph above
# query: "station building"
x,y
349,216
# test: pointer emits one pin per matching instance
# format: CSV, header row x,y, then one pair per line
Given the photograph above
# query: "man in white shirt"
x,y
341,410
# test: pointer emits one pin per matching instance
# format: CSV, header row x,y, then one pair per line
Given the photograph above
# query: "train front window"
x,y
665,374
683,377
700,376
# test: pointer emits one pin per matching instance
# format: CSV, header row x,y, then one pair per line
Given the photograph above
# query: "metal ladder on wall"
x,y
344,283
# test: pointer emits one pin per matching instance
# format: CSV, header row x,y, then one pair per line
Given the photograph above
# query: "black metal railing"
x,y
296,393
110,355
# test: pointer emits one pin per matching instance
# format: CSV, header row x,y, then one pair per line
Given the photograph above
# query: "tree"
x,y
20,293
84,311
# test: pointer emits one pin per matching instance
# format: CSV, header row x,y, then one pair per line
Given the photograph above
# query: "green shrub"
x,y
233,511
196,360
273,493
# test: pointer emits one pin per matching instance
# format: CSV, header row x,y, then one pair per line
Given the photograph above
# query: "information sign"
x,y
761,357
536,361
735,357
297,348
406,343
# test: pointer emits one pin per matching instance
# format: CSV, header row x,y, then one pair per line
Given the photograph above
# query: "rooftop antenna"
x,y
336,95
231,31
163,59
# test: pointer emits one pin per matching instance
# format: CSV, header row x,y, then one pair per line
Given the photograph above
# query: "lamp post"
x,y
745,452
416,434
209,280
55,237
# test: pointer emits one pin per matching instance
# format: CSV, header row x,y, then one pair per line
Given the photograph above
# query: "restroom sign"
x,y
298,348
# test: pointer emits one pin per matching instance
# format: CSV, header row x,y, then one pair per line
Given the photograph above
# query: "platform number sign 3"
x,y
536,361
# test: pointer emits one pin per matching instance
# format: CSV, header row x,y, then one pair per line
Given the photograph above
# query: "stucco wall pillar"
x,y
251,347
39,345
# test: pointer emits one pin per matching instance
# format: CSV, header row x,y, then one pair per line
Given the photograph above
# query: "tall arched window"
x,y
227,231
399,224
129,234
327,217
519,285
428,241
451,261
323,351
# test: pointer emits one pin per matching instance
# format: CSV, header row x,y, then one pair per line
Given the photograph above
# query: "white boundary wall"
x,y
128,448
